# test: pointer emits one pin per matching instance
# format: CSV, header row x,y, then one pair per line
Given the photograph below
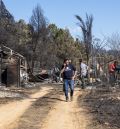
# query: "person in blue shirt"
x,y
69,72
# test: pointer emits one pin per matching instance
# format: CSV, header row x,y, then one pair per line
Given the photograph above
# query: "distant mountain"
x,y
4,13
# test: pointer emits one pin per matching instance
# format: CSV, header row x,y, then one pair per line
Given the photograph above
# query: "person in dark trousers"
x,y
62,75
83,72
69,73
112,72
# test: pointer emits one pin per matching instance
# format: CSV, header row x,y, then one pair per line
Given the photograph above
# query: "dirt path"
x,y
67,115
45,109
13,111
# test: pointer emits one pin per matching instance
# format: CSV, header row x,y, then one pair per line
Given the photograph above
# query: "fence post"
x,y
18,74
1,65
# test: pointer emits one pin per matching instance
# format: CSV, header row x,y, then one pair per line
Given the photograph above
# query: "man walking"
x,y
83,72
69,73
112,72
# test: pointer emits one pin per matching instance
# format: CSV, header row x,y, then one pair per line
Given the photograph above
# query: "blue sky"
x,y
61,12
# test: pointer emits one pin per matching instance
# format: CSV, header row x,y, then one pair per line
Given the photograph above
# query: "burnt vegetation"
x,y
43,45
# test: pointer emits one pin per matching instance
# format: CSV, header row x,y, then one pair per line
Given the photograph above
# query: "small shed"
x,y
12,67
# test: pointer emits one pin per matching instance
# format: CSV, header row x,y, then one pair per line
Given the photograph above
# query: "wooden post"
x,y
1,65
18,73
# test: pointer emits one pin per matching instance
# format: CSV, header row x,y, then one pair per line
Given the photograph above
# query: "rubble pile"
x,y
8,93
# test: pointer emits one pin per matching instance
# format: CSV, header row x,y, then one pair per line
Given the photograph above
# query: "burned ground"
x,y
12,94
104,107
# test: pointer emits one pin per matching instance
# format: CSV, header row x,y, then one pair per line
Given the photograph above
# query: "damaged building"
x,y
13,68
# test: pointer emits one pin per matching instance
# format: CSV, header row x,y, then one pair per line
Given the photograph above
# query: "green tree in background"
x,y
43,44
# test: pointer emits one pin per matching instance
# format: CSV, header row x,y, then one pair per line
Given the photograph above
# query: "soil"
x,y
104,107
45,108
